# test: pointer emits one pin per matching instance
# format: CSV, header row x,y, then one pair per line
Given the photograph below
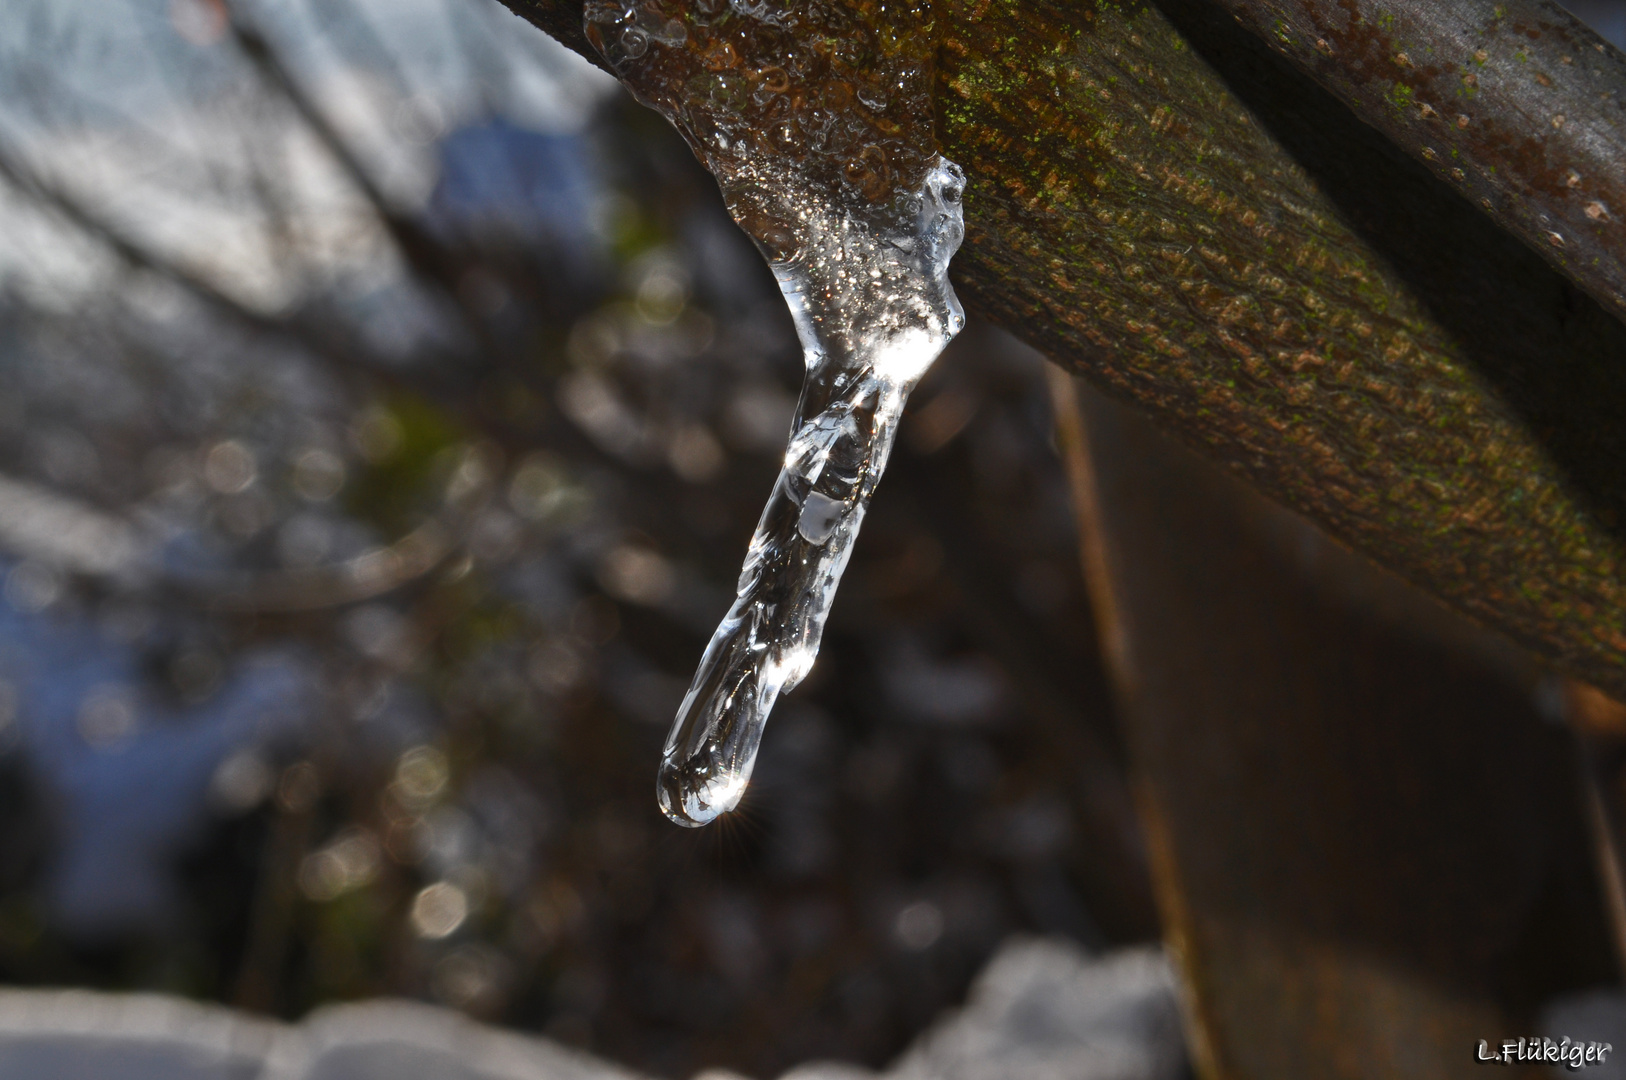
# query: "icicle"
x,y
816,119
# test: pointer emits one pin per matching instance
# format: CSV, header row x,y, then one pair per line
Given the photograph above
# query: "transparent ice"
x,y
825,156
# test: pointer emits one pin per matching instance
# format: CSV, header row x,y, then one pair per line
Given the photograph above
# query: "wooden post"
x,y
1368,844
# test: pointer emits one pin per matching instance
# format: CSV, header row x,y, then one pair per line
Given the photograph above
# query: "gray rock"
x,y
826,1070
1042,1010
76,1035
1045,1010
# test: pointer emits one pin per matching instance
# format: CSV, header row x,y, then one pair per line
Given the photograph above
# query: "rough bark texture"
x,y
1164,205
1514,103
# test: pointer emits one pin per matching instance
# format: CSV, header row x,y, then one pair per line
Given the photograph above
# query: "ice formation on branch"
x,y
816,119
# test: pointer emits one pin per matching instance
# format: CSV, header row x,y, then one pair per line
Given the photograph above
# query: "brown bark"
x,y
1513,103
1162,204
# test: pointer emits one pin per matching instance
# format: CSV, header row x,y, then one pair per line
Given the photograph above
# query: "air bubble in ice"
x,y
819,517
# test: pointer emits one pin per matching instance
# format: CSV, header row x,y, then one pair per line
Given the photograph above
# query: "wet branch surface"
x,y
1163,204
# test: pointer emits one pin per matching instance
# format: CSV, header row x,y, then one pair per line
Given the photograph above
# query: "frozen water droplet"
x,y
858,217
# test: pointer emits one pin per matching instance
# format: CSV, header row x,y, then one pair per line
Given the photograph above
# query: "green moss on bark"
x,y
1179,217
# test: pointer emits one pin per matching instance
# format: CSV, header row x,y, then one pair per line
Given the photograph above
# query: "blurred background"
x,y
385,404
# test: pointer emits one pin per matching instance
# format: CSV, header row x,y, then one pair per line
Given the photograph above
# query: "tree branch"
x,y
431,260
323,338
1514,103
1161,203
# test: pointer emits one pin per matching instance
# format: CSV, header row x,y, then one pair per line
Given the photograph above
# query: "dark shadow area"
x,y
1376,837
